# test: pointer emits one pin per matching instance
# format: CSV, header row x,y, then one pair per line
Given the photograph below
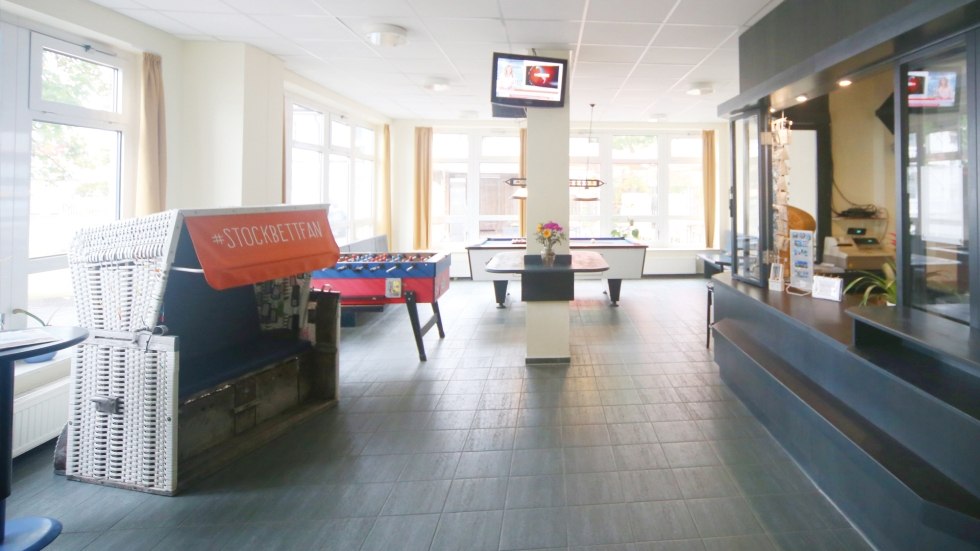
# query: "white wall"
x,y
863,149
213,125
262,163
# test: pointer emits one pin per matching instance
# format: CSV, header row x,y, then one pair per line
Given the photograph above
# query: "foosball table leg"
x,y
411,303
438,317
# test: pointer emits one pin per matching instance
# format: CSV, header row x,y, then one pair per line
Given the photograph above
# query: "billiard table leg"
x,y
614,286
500,292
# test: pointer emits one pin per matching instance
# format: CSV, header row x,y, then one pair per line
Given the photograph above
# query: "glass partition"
x,y
937,183
749,222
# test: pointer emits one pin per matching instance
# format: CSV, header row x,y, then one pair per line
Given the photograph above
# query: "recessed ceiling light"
x,y
700,89
801,98
657,117
437,85
844,82
388,36
772,109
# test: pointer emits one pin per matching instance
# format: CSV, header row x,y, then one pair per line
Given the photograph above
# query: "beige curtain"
x,y
151,176
423,186
522,172
384,226
710,193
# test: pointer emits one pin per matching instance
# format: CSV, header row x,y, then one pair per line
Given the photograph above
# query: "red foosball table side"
x,y
377,279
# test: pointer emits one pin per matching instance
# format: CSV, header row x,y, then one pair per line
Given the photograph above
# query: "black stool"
x,y
707,326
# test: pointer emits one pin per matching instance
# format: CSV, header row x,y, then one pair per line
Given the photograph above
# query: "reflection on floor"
x,y
637,445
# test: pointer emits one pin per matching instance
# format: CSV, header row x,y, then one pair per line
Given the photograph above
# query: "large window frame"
x,y
22,106
351,192
590,155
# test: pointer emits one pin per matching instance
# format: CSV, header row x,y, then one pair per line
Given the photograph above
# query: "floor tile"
x,y
649,485
484,464
661,520
599,524
727,516
529,492
416,497
407,533
698,482
430,466
537,462
476,494
533,529
593,488
476,531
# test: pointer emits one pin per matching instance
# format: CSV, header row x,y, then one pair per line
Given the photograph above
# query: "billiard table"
x,y
624,256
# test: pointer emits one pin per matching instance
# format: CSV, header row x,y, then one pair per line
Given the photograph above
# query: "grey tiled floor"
x,y
637,445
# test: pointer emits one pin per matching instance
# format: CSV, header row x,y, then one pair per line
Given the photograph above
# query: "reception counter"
x,y
880,406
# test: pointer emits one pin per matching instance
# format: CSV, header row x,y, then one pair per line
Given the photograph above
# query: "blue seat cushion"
x,y
205,371
219,336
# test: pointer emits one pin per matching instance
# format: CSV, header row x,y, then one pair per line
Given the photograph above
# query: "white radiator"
x,y
41,412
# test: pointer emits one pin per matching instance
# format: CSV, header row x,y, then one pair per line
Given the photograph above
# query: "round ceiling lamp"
x,y
387,36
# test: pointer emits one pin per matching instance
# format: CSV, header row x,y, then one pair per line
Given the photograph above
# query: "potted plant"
x,y
878,285
40,357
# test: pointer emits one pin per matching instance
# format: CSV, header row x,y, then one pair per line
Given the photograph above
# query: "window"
x,y
78,109
654,186
657,188
470,200
332,160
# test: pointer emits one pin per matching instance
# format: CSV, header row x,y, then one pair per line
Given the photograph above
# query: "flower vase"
x,y
547,256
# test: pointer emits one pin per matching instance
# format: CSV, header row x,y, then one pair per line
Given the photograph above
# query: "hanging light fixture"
x,y
582,184
587,182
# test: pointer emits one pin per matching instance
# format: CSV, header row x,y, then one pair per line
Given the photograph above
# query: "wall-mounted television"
x,y
931,88
528,81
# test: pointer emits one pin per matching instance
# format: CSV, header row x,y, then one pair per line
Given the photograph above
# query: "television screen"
x,y
931,88
528,81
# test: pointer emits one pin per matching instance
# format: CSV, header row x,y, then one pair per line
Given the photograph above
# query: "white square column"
x,y
547,324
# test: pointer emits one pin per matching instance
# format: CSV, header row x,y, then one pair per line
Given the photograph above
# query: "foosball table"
x,y
371,280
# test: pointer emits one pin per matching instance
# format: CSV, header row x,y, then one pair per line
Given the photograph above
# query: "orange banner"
x,y
239,249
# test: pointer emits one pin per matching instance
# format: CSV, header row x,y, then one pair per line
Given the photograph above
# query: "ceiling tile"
x,y
630,11
693,36
611,54
292,7
118,5
565,10
659,70
306,27
467,30
591,69
675,56
539,33
713,12
223,26
339,51
161,21
375,8
635,34
456,8
200,6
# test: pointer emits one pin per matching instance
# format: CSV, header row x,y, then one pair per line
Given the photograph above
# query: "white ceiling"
x,y
632,58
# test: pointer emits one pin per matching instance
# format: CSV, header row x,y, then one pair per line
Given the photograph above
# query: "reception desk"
x,y
624,257
879,406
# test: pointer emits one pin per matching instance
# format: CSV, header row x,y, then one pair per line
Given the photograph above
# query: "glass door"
x,y
939,184
748,204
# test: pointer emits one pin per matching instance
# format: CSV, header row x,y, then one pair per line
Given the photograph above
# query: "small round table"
x,y
25,533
